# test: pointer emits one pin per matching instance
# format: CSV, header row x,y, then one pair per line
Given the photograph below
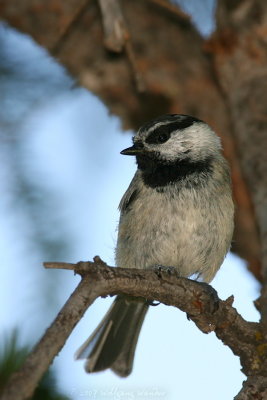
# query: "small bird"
x,y
177,212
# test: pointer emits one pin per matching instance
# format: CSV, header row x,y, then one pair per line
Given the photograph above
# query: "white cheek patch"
x,y
173,148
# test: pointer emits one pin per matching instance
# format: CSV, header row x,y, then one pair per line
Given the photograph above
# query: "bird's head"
x,y
173,138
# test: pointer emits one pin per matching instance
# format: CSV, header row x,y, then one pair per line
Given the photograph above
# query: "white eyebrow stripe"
x,y
154,127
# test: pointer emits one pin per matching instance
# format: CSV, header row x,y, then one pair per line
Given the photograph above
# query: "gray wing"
x,y
130,194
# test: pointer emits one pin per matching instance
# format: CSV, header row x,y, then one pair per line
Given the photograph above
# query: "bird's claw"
x,y
159,269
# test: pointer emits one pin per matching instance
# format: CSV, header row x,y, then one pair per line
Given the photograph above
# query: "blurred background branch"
x,y
176,77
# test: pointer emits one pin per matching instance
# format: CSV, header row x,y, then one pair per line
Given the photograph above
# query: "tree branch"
x,y
198,300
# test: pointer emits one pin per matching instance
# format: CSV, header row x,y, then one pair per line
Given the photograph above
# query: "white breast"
x,y
185,229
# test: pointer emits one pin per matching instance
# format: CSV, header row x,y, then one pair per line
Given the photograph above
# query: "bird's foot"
x,y
159,269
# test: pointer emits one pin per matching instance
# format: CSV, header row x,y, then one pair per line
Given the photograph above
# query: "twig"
x,y
117,37
59,265
114,26
198,300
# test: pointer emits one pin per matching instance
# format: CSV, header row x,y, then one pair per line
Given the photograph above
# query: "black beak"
x,y
133,151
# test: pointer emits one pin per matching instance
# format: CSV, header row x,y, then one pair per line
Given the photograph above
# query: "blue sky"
x,y
61,147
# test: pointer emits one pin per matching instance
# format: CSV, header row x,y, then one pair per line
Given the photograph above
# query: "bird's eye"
x,y
163,137
160,135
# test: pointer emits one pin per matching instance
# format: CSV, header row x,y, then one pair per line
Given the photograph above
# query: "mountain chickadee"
x,y
177,212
